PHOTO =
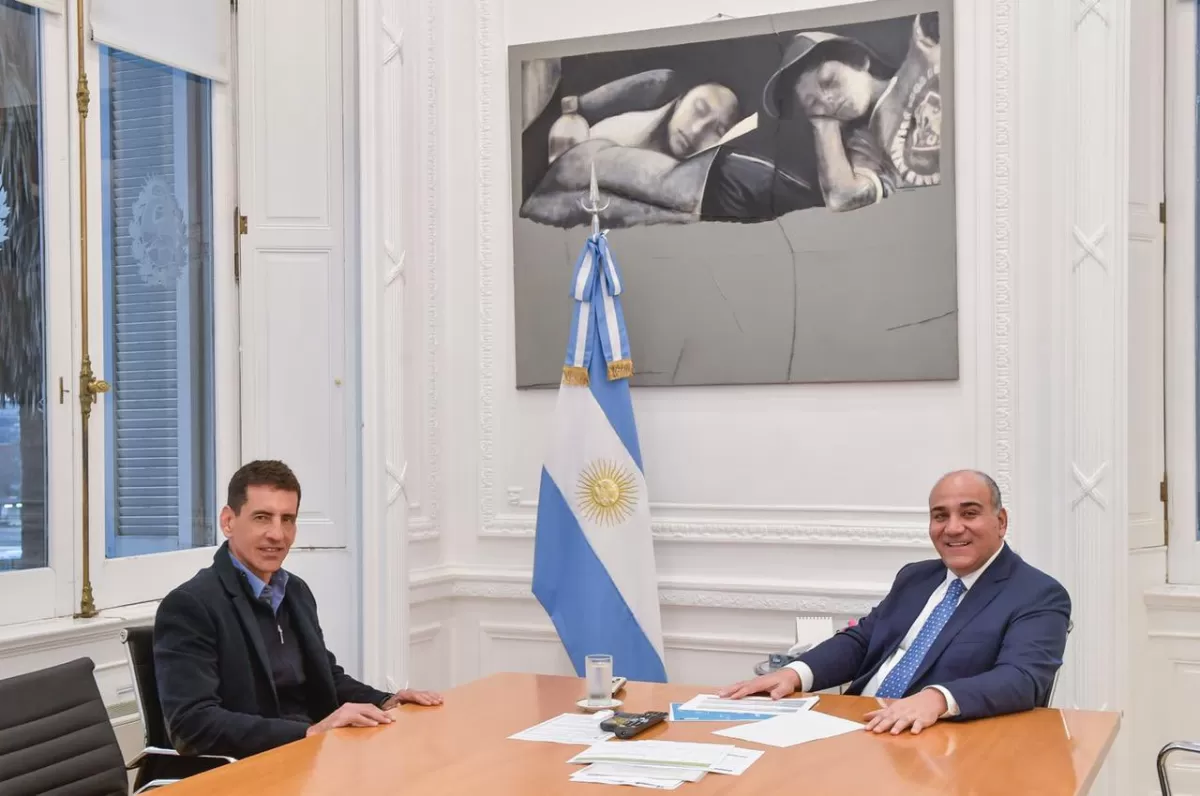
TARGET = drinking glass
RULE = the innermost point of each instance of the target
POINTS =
(599, 679)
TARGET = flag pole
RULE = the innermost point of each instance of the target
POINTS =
(593, 205)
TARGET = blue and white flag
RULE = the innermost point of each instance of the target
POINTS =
(593, 568)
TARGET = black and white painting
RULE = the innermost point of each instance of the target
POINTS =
(778, 192)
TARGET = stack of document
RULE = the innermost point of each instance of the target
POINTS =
(660, 765)
(574, 729)
(707, 707)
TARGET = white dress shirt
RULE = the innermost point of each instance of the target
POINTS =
(806, 674)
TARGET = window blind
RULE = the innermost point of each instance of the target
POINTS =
(145, 313)
(192, 35)
(54, 6)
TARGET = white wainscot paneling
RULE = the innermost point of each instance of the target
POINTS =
(700, 658)
(429, 649)
(715, 629)
(1169, 684)
(507, 647)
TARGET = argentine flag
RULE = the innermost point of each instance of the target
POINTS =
(593, 567)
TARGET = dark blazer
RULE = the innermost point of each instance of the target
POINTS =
(997, 654)
(214, 678)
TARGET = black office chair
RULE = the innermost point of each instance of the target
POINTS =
(1054, 682)
(56, 737)
(158, 763)
(1174, 746)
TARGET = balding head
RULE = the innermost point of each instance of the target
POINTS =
(967, 521)
(997, 502)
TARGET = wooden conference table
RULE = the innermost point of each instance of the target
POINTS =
(462, 748)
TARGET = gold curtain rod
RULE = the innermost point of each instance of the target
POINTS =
(89, 385)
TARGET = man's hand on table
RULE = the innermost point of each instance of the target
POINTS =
(915, 713)
(777, 684)
(351, 714)
(406, 696)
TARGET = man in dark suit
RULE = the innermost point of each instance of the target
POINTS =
(239, 655)
(976, 633)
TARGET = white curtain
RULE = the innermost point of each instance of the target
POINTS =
(55, 6)
(192, 35)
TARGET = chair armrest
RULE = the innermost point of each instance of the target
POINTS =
(161, 752)
(1164, 753)
(154, 784)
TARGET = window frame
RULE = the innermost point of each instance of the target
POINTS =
(54, 591)
(46, 592)
(147, 577)
(1183, 546)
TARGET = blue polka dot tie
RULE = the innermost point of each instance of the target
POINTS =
(896, 683)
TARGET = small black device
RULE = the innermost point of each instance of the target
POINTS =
(627, 725)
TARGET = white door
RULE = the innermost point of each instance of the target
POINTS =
(1147, 455)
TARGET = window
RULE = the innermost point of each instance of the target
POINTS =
(158, 296)
(158, 161)
(23, 350)
(37, 564)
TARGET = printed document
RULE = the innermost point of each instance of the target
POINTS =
(674, 754)
(746, 709)
(791, 729)
(577, 729)
(737, 761)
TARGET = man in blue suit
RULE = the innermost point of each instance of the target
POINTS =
(977, 633)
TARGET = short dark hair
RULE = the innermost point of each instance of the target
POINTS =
(261, 472)
(993, 489)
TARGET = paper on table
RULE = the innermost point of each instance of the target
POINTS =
(646, 782)
(576, 729)
(791, 729)
(677, 713)
(750, 707)
(676, 754)
(736, 762)
(635, 771)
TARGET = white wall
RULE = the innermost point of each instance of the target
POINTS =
(767, 501)
(771, 501)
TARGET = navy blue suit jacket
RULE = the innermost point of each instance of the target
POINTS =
(998, 653)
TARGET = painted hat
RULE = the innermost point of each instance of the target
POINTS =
(804, 47)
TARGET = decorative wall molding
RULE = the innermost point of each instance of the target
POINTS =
(427, 514)
(423, 533)
(728, 532)
(836, 598)
(424, 634)
(488, 30)
(1168, 597)
(1095, 262)
(1002, 331)
(692, 642)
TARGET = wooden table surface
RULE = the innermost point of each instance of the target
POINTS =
(462, 748)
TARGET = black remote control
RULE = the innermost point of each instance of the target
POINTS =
(627, 725)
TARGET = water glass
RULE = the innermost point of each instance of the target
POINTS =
(599, 679)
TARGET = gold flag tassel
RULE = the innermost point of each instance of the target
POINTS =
(620, 369)
(574, 376)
